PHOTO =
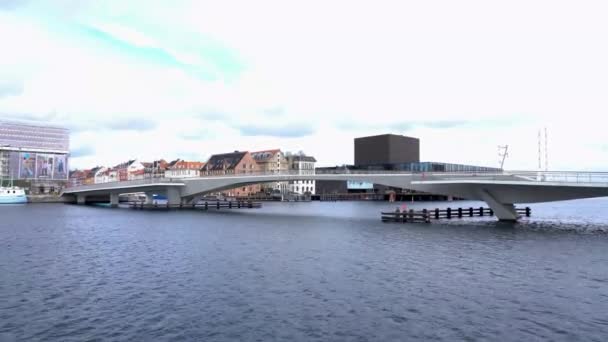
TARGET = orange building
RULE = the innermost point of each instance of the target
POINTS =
(234, 163)
(183, 169)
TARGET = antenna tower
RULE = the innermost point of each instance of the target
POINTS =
(540, 167)
(503, 153)
(546, 151)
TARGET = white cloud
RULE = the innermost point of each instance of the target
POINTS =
(377, 65)
(127, 35)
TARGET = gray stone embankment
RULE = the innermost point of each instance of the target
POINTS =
(49, 199)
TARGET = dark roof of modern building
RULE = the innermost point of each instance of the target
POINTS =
(263, 156)
(124, 165)
(304, 158)
(387, 135)
(224, 161)
(95, 169)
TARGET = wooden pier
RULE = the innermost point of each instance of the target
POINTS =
(406, 216)
(362, 196)
(426, 215)
(217, 205)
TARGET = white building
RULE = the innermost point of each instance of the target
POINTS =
(112, 175)
(272, 161)
(303, 165)
(183, 169)
(101, 175)
(135, 170)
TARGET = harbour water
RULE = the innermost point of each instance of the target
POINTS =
(315, 271)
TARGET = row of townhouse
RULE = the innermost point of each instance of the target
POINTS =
(183, 169)
(267, 161)
(237, 162)
(130, 170)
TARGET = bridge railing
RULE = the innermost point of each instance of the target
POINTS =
(346, 172)
(143, 181)
(542, 176)
(150, 180)
(578, 177)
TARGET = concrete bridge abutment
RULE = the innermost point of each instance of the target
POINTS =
(114, 199)
(174, 196)
(149, 198)
(503, 211)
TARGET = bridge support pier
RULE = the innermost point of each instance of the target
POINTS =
(114, 200)
(503, 211)
(149, 198)
(81, 199)
(190, 200)
(174, 196)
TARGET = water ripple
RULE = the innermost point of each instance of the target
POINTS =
(298, 271)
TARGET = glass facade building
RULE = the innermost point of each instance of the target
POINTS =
(431, 167)
(33, 152)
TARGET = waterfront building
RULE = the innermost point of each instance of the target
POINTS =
(96, 175)
(237, 162)
(183, 169)
(77, 177)
(388, 152)
(155, 169)
(272, 161)
(34, 155)
(386, 149)
(303, 165)
(89, 177)
(102, 175)
(130, 170)
(112, 175)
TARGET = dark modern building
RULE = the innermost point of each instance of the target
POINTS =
(386, 149)
(388, 152)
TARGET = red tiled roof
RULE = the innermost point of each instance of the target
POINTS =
(183, 164)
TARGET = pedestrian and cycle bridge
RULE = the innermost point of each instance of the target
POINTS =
(499, 190)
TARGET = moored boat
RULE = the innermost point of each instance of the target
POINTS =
(12, 195)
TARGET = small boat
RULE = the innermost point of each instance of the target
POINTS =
(11, 194)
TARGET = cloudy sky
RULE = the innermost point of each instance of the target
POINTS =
(149, 79)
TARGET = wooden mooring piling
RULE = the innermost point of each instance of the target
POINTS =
(217, 205)
(426, 215)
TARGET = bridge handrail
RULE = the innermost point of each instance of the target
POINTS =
(143, 181)
(546, 176)
(563, 176)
